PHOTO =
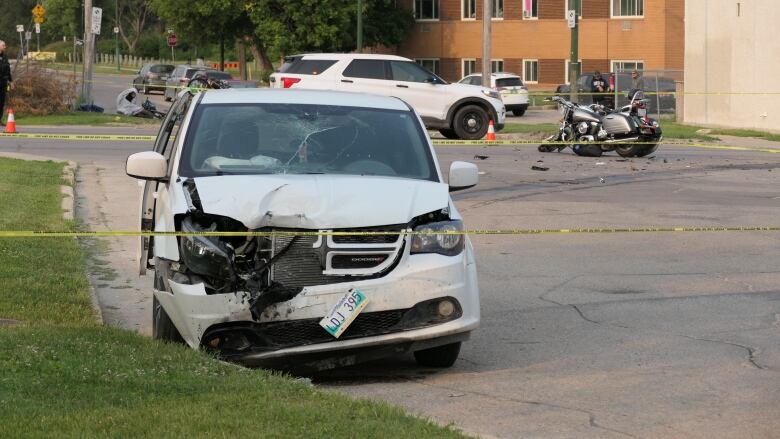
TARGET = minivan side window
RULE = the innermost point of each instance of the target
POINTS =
(366, 68)
(409, 71)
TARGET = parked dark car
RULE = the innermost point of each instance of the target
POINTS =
(182, 74)
(622, 81)
(152, 77)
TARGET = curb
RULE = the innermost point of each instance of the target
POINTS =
(69, 213)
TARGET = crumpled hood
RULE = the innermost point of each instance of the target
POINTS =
(319, 201)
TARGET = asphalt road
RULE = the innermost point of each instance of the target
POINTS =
(583, 335)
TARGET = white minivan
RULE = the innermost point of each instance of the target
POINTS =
(299, 226)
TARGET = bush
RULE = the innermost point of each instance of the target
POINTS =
(38, 93)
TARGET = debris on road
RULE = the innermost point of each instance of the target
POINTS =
(539, 168)
(481, 157)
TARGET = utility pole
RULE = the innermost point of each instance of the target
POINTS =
(574, 64)
(360, 26)
(487, 22)
(116, 34)
(89, 44)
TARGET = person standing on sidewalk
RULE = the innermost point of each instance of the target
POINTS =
(6, 82)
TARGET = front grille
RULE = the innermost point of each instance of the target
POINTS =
(309, 331)
(369, 239)
(357, 261)
(302, 264)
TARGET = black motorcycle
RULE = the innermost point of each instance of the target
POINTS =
(593, 130)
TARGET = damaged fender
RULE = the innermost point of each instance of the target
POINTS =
(192, 311)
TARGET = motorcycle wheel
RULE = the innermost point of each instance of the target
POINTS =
(647, 150)
(628, 150)
(198, 83)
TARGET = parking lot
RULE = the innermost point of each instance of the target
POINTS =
(582, 335)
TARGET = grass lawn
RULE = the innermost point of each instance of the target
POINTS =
(64, 375)
(748, 133)
(529, 128)
(82, 118)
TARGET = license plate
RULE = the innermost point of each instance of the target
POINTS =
(163, 78)
(642, 112)
(513, 91)
(344, 312)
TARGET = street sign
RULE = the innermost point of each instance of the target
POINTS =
(37, 28)
(172, 40)
(20, 28)
(38, 13)
(571, 18)
(97, 16)
(28, 35)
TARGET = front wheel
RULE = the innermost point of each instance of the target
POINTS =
(519, 113)
(471, 122)
(440, 356)
(447, 133)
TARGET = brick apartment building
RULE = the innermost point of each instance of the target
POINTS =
(531, 37)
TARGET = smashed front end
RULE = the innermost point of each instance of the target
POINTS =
(256, 299)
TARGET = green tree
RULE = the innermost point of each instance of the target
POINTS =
(291, 26)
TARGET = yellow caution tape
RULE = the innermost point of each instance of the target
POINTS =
(89, 137)
(82, 234)
(436, 142)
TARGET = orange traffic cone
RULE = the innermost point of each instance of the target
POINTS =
(10, 124)
(491, 134)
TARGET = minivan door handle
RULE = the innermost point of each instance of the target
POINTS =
(402, 86)
(347, 80)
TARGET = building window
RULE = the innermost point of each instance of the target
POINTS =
(426, 9)
(567, 64)
(498, 9)
(628, 8)
(570, 6)
(430, 64)
(468, 9)
(469, 66)
(530, 9)
(531, 71)
(627, 66)
(497, 65)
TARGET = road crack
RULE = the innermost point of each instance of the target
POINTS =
(752, 352)
(592, 421)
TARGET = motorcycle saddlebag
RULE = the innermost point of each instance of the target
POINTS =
(617, 123)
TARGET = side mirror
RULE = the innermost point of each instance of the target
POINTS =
(147, 165)
(430, 80)
(463, 175)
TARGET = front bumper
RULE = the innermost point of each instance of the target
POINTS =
(416, 278)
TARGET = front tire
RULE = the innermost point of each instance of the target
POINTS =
(471, 122)
(518, 113)
(440, 356)
(448, 133)
(162, 326)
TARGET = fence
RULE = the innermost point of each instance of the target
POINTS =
(127, 61)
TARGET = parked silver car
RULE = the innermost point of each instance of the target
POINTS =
(152, 77)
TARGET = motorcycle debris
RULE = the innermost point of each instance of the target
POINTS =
(539, 168)
(481, 157)
(665, 161)
(600, 163)
(621, 160)
(601, 180)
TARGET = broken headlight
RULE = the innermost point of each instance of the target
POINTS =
(448, 243)
(204, 255)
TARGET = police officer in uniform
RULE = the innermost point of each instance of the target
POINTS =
(6, 81)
